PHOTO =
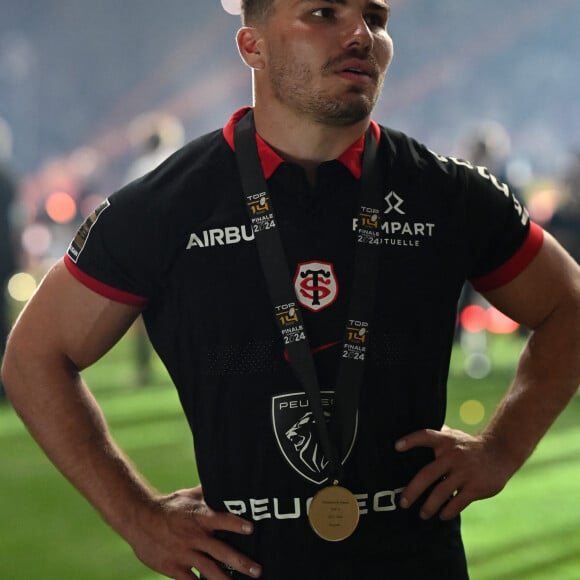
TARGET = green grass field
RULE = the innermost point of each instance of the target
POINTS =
(531, 531)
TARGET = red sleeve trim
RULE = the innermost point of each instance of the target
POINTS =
(103, 289)
(515, 265)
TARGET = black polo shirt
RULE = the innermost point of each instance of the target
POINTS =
(178, 242)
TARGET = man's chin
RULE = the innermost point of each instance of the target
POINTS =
(347, 114)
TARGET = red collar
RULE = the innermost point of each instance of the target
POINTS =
(351, 158)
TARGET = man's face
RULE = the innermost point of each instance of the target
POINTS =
(327, 59)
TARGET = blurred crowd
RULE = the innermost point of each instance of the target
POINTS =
(39, 214)
(552, 200)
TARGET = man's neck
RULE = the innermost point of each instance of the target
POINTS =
(304, 142)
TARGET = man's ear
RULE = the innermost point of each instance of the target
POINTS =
(250, 47)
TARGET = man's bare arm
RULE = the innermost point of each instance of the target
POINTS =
(545, 298)
(63, 329)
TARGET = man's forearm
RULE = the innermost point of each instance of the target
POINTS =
(67, 423)
(171, 533)
(547, 376)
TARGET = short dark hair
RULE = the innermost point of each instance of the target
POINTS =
(254, 11)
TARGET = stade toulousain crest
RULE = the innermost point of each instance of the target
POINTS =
(315, 285)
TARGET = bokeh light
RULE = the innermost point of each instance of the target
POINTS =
(473, 318)
(61, 207)
(499, 323)
(472, 412)
(21, 287)
(36, 239)
(232, 6)
(88, 204)
(477, 365)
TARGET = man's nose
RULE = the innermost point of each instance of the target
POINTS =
(357, 33)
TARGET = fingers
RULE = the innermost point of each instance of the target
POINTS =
(210, 569)
(210, 521)
(213, 521)
(223, 553)
(445, 499)
(425, 479)
(443, 475)
(206, 553)
(234, 560)
(205, 566)
(456, 505)
(423, 438)
(179, 533)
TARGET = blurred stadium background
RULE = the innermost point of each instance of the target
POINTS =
(93, 93)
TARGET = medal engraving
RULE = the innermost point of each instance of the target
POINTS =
(334, 513)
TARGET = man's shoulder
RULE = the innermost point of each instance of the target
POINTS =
(407, 153)
(204, 160)
(205, 151)
(405, 148)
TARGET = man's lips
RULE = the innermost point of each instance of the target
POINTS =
(357, 70)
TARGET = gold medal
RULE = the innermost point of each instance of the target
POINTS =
(334, 513)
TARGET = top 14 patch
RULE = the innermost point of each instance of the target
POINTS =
(78, 243)
(316, 285)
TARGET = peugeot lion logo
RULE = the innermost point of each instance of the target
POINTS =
(303, 438)
(295, 430)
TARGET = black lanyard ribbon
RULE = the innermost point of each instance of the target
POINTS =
(337, 436)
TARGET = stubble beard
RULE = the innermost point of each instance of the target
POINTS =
(292, 85)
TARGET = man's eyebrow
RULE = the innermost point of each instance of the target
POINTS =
(325, 1)
(378, 6)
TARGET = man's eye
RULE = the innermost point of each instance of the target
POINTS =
(323, 13)
(375, 21)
